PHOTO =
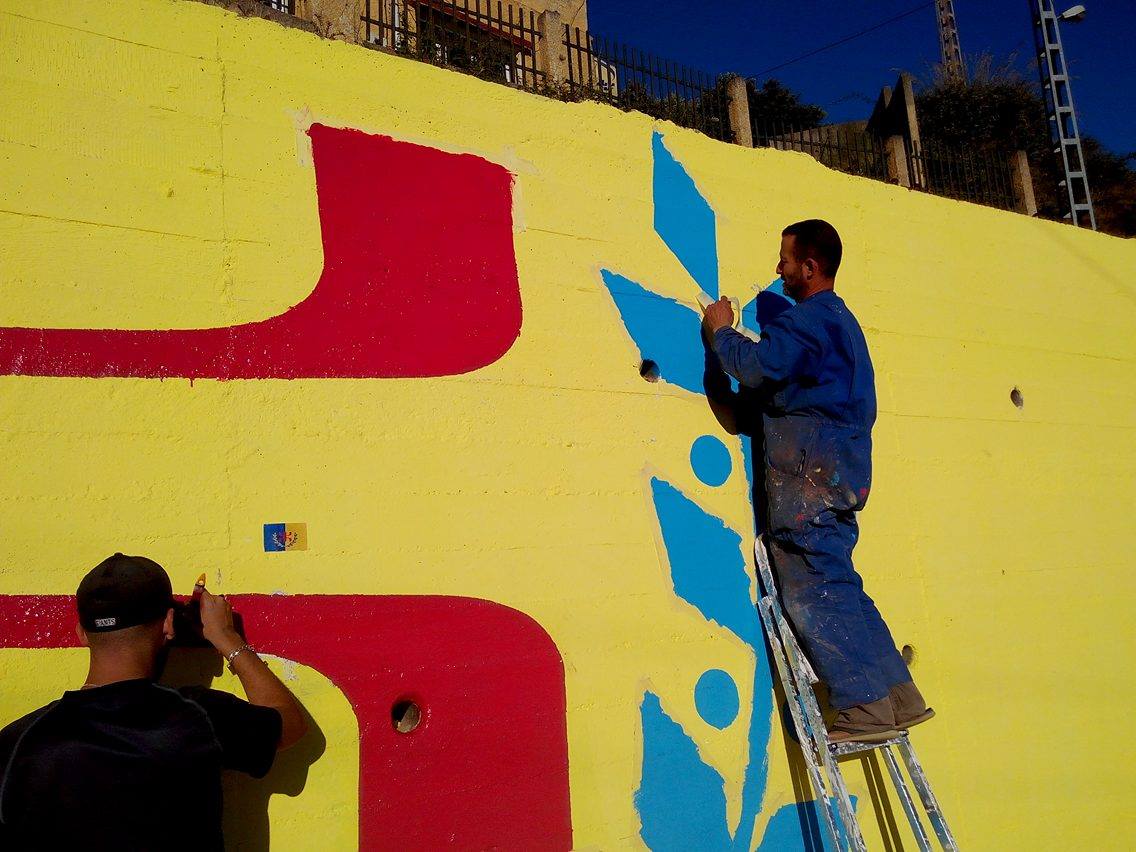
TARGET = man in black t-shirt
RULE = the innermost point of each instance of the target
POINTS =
(123, 763)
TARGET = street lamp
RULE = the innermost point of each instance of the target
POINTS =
(1059, 106)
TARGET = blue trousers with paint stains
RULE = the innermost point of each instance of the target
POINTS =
(839, 626)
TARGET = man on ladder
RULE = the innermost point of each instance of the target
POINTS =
(811, 378)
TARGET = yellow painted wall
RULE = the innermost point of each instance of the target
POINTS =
(154, 174)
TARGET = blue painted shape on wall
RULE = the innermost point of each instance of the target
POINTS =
(716, 698)
(766, 306)
(684, 816)
(664, 330)
(707, 567)
(683, 219)
(681, 800)
(710, 460)
(795, 826)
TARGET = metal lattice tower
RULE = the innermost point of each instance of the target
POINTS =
(1059, 108)
(949, 39)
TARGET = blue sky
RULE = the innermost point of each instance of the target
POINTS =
(750, 36)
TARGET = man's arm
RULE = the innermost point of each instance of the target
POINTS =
(261, 686)
(723, 400)
(785, 350)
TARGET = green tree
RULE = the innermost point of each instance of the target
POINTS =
(998, 111)
(775, 104)
(1112, 181)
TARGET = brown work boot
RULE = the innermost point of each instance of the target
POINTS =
(864, 723)
(908, 705)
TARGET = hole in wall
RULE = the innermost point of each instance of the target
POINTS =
(649, 370)
(405, 716)
(908, 654)
(1016, 398)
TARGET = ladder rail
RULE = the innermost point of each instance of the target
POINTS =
(828, 809)
(930, 803)
(797, 677)
(905, 799)
(818, 733)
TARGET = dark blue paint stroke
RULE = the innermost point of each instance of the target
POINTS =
(681, 800)
(664, 330)
(683, 219)
(707, 567)
(766, 306)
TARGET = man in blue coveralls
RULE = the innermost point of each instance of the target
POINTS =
(810, 380)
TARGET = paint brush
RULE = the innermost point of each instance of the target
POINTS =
(198, 588)
(705, 300)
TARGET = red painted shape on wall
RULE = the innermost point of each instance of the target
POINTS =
(488, 765)
(419, 279)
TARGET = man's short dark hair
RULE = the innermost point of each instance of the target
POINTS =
(817, 239)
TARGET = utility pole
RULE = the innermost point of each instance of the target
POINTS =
(1059, 108)
(949, 39)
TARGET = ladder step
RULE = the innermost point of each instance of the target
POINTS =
(842, 749)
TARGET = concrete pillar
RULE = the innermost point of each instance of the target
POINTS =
(739, 111)
(338, 19)
(551, 54)
(905, 89)
(898, 169)
(1024, 199)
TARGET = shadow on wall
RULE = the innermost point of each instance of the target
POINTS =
(246, 823)
(385, 649)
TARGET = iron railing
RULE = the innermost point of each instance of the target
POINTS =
(493, 41)
(500, 41)
(287, 6)
(847, 148)
(982, 177)
(599, 69)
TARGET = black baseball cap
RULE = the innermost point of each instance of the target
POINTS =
(123, 591)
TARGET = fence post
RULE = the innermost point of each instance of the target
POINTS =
(739, 111)
(551, 55)
(897, 166)
(1024, 200)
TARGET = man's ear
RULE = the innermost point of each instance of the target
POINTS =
(82, 634)
(168, 624)
(810, 266)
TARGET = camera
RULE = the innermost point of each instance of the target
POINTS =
(187, 625)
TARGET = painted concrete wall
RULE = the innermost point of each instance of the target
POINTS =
(251, 278)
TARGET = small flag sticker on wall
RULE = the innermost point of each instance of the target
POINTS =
(285, 537)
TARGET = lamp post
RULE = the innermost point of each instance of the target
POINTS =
(1059, 107)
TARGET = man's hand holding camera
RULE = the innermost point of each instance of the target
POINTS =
(217, 625)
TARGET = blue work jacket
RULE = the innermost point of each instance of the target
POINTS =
(817, 399)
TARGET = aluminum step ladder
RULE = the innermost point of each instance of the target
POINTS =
(797, 678)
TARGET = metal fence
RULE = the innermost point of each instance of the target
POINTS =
(600, 69)
(493, 41)
(501, 41)
(288, 6)
(846, 148)
(983, 177)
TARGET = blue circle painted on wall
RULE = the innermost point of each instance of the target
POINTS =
(710, 460)
(716, 698)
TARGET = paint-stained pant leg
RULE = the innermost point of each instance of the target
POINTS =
(843, 634)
